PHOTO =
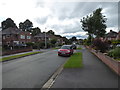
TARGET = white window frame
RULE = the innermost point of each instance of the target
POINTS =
(22, 36)
(28, 37)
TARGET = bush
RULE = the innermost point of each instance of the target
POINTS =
(115, 53)
(100, 45)
(115, 42)
(87, 42)
(29, 44)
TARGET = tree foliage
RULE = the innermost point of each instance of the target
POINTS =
(26, 25)
(8, 23)
(94, 24)
(73, 39)
(36, 31)
(53, 41)
(51, 32)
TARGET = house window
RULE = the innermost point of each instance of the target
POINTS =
(49, 38)
(3, 37)
(28, 37)
(22, 36)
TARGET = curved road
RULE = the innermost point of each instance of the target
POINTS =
(31, 71)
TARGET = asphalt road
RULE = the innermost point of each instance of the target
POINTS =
(31, 71)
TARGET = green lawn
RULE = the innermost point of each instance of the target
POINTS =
(75, 61)
(17, 56)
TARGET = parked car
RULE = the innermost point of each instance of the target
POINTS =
(74, 46)
(65, 50)
(118, 45)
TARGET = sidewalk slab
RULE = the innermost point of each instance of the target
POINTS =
(94, 74)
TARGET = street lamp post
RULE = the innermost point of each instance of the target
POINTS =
(45, 39)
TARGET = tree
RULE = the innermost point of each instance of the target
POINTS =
(8, 23)
(73, 39)
(26, 25)
(53, 41)
(51, 32)
(36, 31)
(21, 26)
(94, 24)
(99, 23)
(66, 40)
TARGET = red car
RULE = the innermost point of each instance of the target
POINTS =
(65, 50)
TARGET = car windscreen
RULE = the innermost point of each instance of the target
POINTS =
(65, 47)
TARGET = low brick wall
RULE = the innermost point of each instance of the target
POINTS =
(110, 62)
(17, 51)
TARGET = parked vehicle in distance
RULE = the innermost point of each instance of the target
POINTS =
(65, 50)
(118, 45)
(74, 46)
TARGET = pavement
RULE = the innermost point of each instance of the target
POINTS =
(93, 74)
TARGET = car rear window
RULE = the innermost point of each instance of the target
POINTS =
(65, 47)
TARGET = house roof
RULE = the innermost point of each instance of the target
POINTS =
(41, 35)
(112, 34)
(11, 31)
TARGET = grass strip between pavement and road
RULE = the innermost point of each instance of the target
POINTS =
(118, 59)
(56, 48)
(79, 48)
(75, 61)
(18, 56)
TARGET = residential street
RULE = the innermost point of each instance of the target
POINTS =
(31, 71)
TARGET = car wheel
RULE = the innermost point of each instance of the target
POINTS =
(58, 54)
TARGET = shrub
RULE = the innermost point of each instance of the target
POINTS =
(87, 42)
(53, 41)
(29, 44)
(115, 53)
(100, 45)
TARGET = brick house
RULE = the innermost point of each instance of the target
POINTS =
(15, 37)
(57, 37)
(118, 36)
(112, 35)
(0, 37)
(40, 37)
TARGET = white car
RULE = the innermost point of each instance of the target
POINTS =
(118, 45)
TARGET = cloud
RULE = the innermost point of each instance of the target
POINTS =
(41, 20)
(62, 17)
(78, 34)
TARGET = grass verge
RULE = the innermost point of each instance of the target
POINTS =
(17, 56)
(118, 59)
(75, 61)
(56, 48)
(79, 48)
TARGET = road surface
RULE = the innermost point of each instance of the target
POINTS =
(31, 71)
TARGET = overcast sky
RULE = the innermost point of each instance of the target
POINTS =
(62, 17)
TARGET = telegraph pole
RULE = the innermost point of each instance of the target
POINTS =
(45, 38)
